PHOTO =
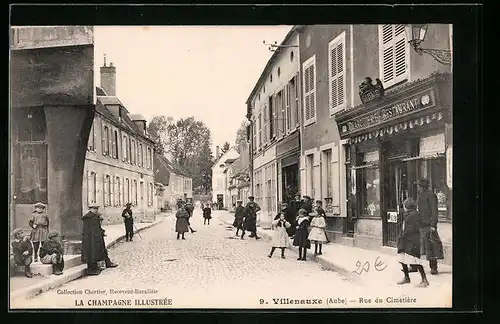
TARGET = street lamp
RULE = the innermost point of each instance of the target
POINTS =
(416, 35)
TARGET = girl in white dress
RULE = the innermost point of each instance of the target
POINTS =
(317, 234)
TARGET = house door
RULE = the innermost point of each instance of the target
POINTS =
(396, 191)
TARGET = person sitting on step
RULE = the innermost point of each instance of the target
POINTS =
(22, 250)
(52, 252)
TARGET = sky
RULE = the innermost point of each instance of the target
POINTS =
(203, 71)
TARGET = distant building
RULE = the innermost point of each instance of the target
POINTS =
(238, 182)
(176, 183)
(119, 160)
(219, 183)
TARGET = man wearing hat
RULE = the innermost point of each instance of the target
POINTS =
(93, 245)
(39, 222)
(190, 209)
(428, 208)
(52, 252)
(307, 205)
(291, 214)
(129, 222)
(22, 250)
(250, 222)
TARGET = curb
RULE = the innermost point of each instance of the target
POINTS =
(327, 264)
(69, 275)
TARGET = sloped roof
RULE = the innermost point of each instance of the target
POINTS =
(169, 166)
(125, 122)
(100, 91)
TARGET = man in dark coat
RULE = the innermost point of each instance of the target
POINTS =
(129, 222)
(239, 215)
(291, 214)
(189, 208)
(307, 205)
(93, 245)
(428, 208)
(250, 221)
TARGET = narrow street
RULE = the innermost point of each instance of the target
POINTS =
(212, 268)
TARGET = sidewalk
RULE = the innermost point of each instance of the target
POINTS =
(367, 267)
(23, 287)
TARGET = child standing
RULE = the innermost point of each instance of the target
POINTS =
(207, 214)
(22, 250)
(280, 235)
(39, 222)
(301, 236)
(239, 215)
(317, 234)
(52, 252)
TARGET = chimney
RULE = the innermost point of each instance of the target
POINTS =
(217, 152)
(108, 78)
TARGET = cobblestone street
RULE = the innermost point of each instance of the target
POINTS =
(211, 268)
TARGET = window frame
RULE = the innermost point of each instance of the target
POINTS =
(307, 64)
(339, 40)
(392, 43)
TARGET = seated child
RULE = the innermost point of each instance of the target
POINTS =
(23, 251)
(52, 252)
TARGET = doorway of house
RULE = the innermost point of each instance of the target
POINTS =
(290, 182)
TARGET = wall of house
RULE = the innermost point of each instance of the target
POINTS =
(104, 164)
(60, 79)
(366, 55)
(218, 176)
(321, 135)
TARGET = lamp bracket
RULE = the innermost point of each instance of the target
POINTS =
(440, 55)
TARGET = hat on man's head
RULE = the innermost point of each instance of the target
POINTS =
(239, 201)
(128, 204)
(410, 204)
(39, 204)
(17, 232)
(53, 234)
(319, 202)
(302, 212)
(284, 206)
(93, 206)
(251, 197)
(423, 182)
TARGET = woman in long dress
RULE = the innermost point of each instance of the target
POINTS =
(408, 243)
(182, 222)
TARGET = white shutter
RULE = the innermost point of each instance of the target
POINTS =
(393, 54)
(110, 142)
(89, 188)
(307, 108)
(103, 136)
(337, 72)
(104, 191)
(312, 87)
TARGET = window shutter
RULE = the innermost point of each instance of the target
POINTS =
(337, 75)
(387, 53)
(104, 191)
(399, 50)
(110, 142)
(103, 136)
(312, 86)
(333, 77)
(307, 107)
(89, 188)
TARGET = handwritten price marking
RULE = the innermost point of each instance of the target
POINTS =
(378, 265)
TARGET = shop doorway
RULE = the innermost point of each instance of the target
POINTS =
(395, 192)
(290, 182)
(220, 201)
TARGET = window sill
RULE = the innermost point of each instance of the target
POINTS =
(370, 217)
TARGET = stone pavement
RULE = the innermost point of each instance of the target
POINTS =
(368, 267)
(22, 287)
(213, 268)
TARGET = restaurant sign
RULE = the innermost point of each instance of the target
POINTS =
(401, 108)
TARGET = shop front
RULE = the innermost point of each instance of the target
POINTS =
(394, 140)
(288, 157)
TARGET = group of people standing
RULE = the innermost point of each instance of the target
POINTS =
(245, 218)
(27, 247)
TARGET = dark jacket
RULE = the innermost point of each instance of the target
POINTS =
(207, 212)
(93, 245)
(18, 249)
(51, 246)
(239, 215)
(126, 212)
(409, 240)
(428, 208)
(293, 208)
(307, 205)
(189, 208)
(182, 222)
(250, 221)
(301, 236)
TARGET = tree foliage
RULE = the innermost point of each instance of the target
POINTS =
(225, 147)
(188, 143)
(241, 143)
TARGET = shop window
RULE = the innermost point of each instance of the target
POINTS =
(369, 181)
